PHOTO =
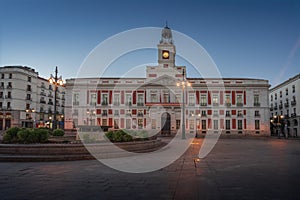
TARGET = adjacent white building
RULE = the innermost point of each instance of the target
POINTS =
(26, 99)
(236, 106)
(283, 104)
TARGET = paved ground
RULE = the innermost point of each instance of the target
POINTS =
(235, 169)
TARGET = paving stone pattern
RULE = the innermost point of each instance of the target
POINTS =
(239, 169)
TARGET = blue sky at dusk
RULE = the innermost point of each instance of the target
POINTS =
(255, 39)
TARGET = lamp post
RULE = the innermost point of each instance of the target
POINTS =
(278, 123)
(183, 84)
(56, 81)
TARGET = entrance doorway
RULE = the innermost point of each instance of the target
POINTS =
(165, 123)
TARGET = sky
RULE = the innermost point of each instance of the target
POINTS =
(245, 38)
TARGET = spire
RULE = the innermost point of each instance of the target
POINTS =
(166, 35)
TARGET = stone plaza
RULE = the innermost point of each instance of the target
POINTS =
(260, 168)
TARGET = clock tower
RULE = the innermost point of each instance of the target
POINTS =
(166, 49)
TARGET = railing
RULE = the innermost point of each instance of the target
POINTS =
(104, 114)
(50, 95)
(140, 115)
(43, 93)
(104, 103)
(28, 99)
(116, 103)
(215, 104)
(227, 104)
(256, 104)
(128, 103)
(275, 107)
(293, 103)
(257, 115)
(140, 104)
(50, 103)
(239, 104)
(240, 115)
(42, 101)
(203, 104)
(286, 105)
(228, 115)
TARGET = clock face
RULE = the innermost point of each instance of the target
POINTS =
(165, 54)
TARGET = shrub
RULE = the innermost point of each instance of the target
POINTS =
(119, 136)
(26, 135)
(11, 135)
(58, 132)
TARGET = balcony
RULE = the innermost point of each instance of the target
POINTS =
(271, 108)
(239, 115)
(257, 115)
(275, 107)
(28, 99)
(50, 103)
(257, 104)
(42, 101)
(239, 104)
(140, 104)
(8, 96)
(280, 106)
(215, 104)
(191, 104)
(228, 115)
(286, 105)
(50, 95)
(227, 104)
(128, 103)
(28, 90)
(203, 114)
(104, 103)
(140, 114)
(104, 114)
(116, 115)
(92, 103)
(8, 87)
(43, 94)
(293, 103)
(116, 103)
(203, 104)
(293, 115)
(76, 103)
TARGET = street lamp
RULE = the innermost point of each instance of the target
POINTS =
(31, 117)
(56, 81)
(278, 123)
(183, 84)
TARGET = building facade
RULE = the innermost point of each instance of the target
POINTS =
(237, 106)
(26, 99)
(284, 108)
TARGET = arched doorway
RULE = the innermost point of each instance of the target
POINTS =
(165, 123)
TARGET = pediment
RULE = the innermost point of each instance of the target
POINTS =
(164, 80)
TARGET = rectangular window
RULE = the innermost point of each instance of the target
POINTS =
(240, 124)
(104, 99)
(216, 113)
(140, 123)
(256, 113)
(116, 113)
(256, 100)
(140, 113)
(104, 113)
(239, 100)
(29, 88)
(93, 99)
(153, 98)
(76, 99)
(203, 100)
(116, 99)
(203, 124)
(294, 88)
(227, 113)
(29, 79)
(166, 98)
(286, 91)
(128, 112)
(140, 100)
(104, 122)
(203, 113)
(116, 123)
(216, 124)
(2, 76)
(256, 124)
(191, 123)
(191, 99)
(227, 124)
(227, 100)
(240, 113)
(215, 99)
(10, 76)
